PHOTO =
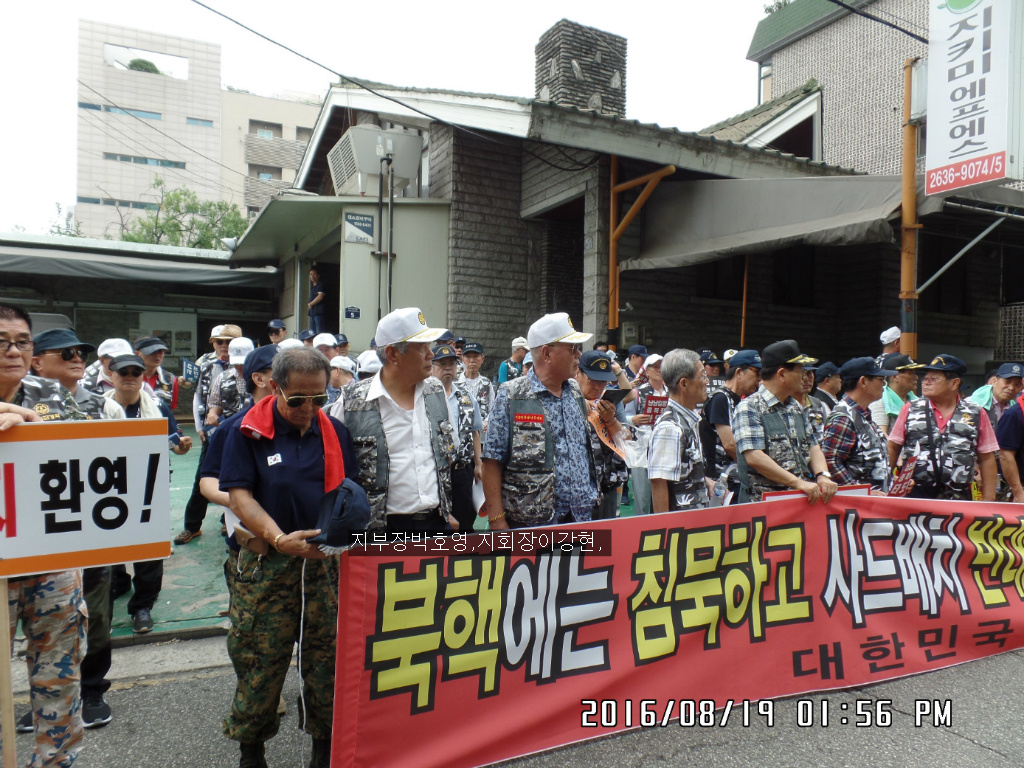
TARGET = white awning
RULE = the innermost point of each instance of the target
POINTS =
(694, 222)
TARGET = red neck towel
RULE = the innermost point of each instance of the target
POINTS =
(258, 424)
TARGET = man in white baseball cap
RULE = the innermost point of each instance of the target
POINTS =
(97, 373)
(513, 367)
(541, 414)
(402, 430)
(890, 339)
(327, 344)
(343, 370)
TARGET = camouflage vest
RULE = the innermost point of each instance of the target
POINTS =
(611, 469)
(945, 463)
(164, 387)
(232, 392)
(816, 414)
(691, 492)
(791, 456)
(210, 370)
(869, 461)
(716, 460)
(48, 399)
(528, 482)
(91, 379)
(465, 449)
(362, 417)
(513, 370)
(90, 403)
(483, 390)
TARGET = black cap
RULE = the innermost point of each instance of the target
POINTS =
(306, 334)
(597, 365)
(59, 338)
(127, 361)
(259, 359)
(948, 364)
(863, 366)
(784, 353)
(444, 352)
(150, 344)
(900, 362)
(277, 325)
(825, 370)
(473, 346)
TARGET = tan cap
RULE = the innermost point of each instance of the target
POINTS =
(226, 332)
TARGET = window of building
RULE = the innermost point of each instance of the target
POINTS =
(89, 200)
(764, 89)
(146, 114)
(264, 176)
(87, 105)
(265, 172)
(265, 130)
(304, 135)
(122, 203)
(199, 121)
(721, 279)
(144, 160)
(141, 60)
(253, 211)
(263, 133)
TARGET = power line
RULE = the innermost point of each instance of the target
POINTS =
(898, 28)
(393, 99)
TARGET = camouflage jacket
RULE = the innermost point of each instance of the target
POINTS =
(869, 460)
(483, 390)
(945, 462)
(227, 393)
(464, 453)
(91, 379)
(49, 399)
(611, 468)
(362, 417)
(815, 412)
(211, 368)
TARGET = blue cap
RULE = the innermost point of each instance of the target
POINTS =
(745, 357)
(863, 366)
(373, 343)
(637, 349)
(444, 352)
(59, 338)
(710, 358)
(306, 334)
(341, 338)
(277, 325)
(473, 346)
(459, 340)
(597, 366)
(1010, 371)
(528, 360)
(825, 370)
(259, 359)
(947, 364)
(446, 338)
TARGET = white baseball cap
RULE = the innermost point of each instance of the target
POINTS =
(115, 347)
(728, 354)
(406, 324)
(890, 335)
(325, 340)
(652, 360)
(238, 349)
(518, 341)
(345, 363)
(556, 327)
(289, 344)
(368, 361)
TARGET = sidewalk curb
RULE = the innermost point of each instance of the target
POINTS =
(148, 638)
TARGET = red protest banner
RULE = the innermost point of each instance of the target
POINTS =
(527, 651)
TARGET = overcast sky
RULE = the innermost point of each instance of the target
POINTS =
(686, 62)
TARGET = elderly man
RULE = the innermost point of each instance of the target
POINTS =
(636, 356)
(513, 367)
(478, 386)
(827, 385)
(343, 346)
(97, 374)
(327, 344)
(890, 339)
(465, 415)
(717, 439)
(307, 336)
(675, 461)
(60, 355)
(277, 331)
(343, 372)
(403, 432)
(538, 466)
(228, 395)
(50, 606)
(635, 406)
(776, 445)
(608, 427)
(152, 350)
(279, 461)
(949, 435)
(897, 392)
(853, 445)
(997, 397)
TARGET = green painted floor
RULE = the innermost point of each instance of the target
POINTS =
(194, 598)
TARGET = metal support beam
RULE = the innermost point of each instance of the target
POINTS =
(963, 250)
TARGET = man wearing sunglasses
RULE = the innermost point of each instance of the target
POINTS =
(152, 350)
(60, 355)
(538, 465)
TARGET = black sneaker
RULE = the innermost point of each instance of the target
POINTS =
(25, 724)
(142, 622)
(95, 712)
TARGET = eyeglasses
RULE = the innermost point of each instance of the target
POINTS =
(68, 353)
(133, 373)
(297, 401)
(221, 341)
(23, 345)
(575, 349)
(933, 378)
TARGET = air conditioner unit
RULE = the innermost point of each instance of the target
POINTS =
(355, 161)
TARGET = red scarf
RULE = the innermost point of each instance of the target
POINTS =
(258, 424)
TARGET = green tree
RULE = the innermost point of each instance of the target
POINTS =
(776, 5)
(65, 224)
(181, 218)
(144, 65)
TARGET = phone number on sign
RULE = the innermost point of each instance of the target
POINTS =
(982, 169)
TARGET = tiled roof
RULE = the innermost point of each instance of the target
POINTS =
(743, 125)
(787, 22)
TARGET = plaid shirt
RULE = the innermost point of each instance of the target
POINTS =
(669, 458)
(839, 442)
(746, 420)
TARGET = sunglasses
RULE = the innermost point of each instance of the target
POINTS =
(132, 373)
(297, 401)
(68, 353)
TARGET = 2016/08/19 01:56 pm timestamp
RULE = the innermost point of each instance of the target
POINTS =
(704, 713)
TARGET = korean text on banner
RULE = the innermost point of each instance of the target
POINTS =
(83, 494)
(560, 647)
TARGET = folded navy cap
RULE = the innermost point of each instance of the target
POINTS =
(745, 357)
(825, 370)
(259, 359)
(947, 364)
(59, 338)
(306, 334)
(1010, 371)
(863, 366)
(597, 365)
(277, 325)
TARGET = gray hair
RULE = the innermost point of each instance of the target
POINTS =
(298, 360)
(382, 352)
(680, 364)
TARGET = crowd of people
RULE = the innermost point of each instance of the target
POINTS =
(562, 435)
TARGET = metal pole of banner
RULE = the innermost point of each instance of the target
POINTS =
(908, 257)
(743, 316)
(10, 749)
(613, 250)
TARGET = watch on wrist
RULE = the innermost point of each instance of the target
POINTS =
(824, 473)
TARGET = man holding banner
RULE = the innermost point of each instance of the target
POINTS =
(50, 606)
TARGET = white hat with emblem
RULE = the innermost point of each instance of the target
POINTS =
(552, 329)
(406, 324)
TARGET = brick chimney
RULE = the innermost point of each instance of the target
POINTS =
(582, 67)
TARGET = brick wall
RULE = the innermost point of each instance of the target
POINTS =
(582, 67)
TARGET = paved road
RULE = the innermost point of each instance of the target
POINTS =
(169, 699)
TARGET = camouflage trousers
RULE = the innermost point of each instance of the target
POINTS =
(267, 619)
(53, 616)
